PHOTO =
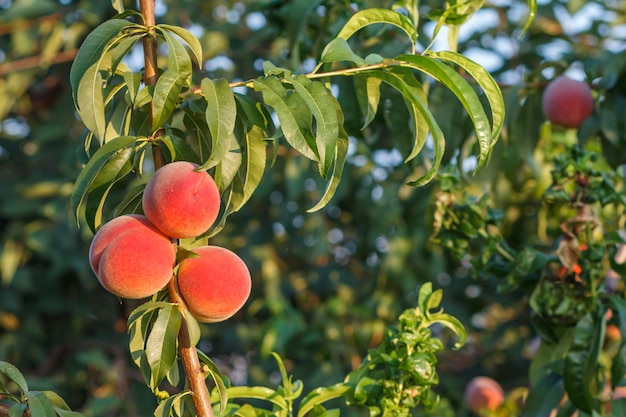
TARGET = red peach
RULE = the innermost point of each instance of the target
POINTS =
(214, 285)
(567, 102)
(180, 201)
(483, 393)
(112, 229)
(137, 264)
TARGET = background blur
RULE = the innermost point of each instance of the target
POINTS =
(325, 285)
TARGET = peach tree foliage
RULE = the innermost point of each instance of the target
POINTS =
(566, 283)
(228, 133)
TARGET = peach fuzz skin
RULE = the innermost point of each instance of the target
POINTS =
(181, 202)
(131, 258)
(567, 102)
(214, 285)
(112, 230)
(483, 393)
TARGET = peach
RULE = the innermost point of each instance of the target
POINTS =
(483, 393)
(567, 102)
(137, 263)
(126, 244)
(111, 230)
(215, 284)
(180, 201)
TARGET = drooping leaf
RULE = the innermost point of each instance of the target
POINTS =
(178, 60)
(341, 154)
(192, 42)
(14, 374)
(293, 113)
(254, 156)
(397, 82)
(217, 377)
(97, 162)
(372, 16)
(116, 168)
(90, 101)
(221, 114)
(161, 346)
(323, 108)
(464, 92)
(92, 49)
(118, 5)
(368, 97)
(486, 82)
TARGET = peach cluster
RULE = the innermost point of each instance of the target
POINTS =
(134, 256)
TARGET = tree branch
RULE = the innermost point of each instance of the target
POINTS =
(187, 352)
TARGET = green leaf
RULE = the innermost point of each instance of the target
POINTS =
(192, 42)
(14, 374)
(581, 362)
(227, 169)
(419, 123)
(371, 16)
(90, 101)
(178, 60)
(414, 97)
(368, 97)
(464, 92)
(323, 107)
(118, 5)
(339, 50)
(116, 168)
(254, 156)
(39, 405)
(259, 393)
(96, 164)
(221, 114)
(92, 49)
(486, 82)
(217, 377)
(162, 343)
(321, 395)
(293, 113)
(165, 96)
(544, 396)
(17, 410)
(341, 154)
(193, 328)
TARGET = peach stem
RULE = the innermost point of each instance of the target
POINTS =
(187, 352)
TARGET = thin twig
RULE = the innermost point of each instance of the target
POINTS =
(37, 61)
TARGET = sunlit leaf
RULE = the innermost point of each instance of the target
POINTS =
(254, 156)
(372, 16)
(323, 108)
(293, 113)
(221, 113)
(259, 393)
(192, 42)
(97, 162)
(216, 375)
(368, 97)
(92, 49)
(464, 92)
(39, 405)
(321, 395)
(339, 50)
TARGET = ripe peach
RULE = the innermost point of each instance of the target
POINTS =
(214, 285)
(137, 263)
(567, 102)
(483, 393)
(181, 202)
(137, 238)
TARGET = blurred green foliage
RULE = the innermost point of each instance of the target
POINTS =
(325, 285)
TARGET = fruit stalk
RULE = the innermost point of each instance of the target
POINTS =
(187, 352)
